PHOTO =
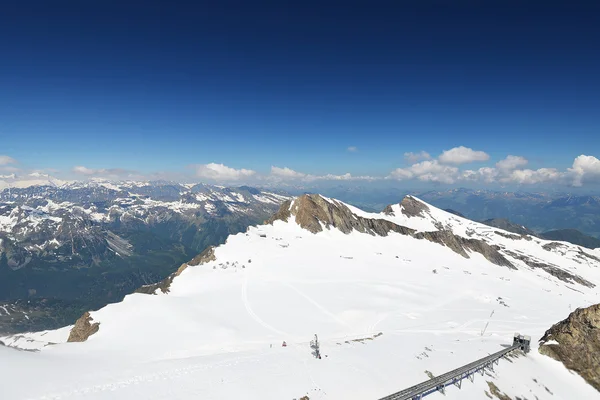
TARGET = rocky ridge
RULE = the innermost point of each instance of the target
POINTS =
(164, 285)
(315, 213)
(575, 342)
(83, 329)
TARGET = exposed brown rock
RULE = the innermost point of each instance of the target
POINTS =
(282, 214)
(460, 245)
(206, 256)
(578, 347)
(83, 328)
(313, 212)
(388, 210)
(412, 207)
(496, 392)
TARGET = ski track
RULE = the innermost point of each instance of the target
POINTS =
(256, 318)
(317, 305)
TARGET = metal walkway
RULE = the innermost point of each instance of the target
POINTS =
(455, 377)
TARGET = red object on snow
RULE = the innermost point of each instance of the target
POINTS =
(284, 344)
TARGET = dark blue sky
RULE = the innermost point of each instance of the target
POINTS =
(157, 86)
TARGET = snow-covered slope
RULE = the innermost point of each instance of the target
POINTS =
(393, 296)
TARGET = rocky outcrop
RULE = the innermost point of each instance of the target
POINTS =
(410, 207)
(461, 245)
(206, 256)
(553, 270)
(552, 246)
(83, 329)
(506, 225)
(575, 342)
(164, 286)
(282, 214)
(314, 213)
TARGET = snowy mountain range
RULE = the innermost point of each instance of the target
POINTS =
(540, 212)
(394, 297)
(95, 242)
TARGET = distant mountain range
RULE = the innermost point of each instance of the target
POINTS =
(411, 283)
(539, 212)
(69, 246)
(565, 235)
(92, 243)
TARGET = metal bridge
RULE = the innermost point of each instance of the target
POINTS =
(455, 377)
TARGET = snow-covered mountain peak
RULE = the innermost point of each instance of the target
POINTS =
(422, 221)
(393, 296)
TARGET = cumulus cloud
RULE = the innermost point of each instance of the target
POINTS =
(352, 149)
(5, 160)
(529, 176)
(483, 174)
(462, 155)
(286, 173)
(585, 169)
(502, 172)
(427, 171)
(511, 162)
(221, 172)
(80, 169)
(416, 157)
(114, 173)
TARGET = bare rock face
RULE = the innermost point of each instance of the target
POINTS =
(578, 347)
(314, 213)
(460, 245)
(553, 270)
(282, 214)
(206, 256)
(412, 207)
(83, 329)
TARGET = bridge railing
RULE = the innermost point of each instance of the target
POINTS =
(455, 377)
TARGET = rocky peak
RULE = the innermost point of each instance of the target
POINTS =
(83, 329)
(313, 213)
(165, 285)
(575, 342)
(409, 206)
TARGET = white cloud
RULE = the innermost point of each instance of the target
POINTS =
(585, 169)
(4, 160)
(286, 173)
(221, 172)
(416, 157)
(80, 169)
(9, 169)
(111, 173)
(352, 149)
(530, 177)
(427, 171)
(462, 155)
(511, 162)
(485, 174)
